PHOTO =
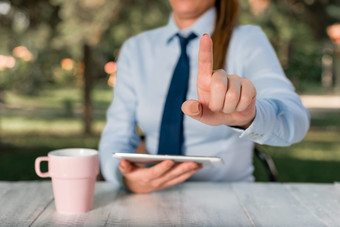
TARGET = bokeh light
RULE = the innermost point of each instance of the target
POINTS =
(67, 64)
(6, 62)
(258, 6)
(112, 80)
(110, 67)
(333, 32)
(23, 53)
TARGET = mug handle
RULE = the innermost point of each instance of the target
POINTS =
(37, 166)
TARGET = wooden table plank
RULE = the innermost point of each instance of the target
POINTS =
(323, 201)
(273, 205)
(24, 202)
(212, 204)
(337, 186)
(190, 204)
(4, 187)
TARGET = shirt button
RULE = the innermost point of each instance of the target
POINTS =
(252, 135)
(255, 135)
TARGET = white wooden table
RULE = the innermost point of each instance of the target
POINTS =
(187, 204)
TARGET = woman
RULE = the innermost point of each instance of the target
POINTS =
(237, 95)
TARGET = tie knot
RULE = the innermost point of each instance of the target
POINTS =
(185, 40)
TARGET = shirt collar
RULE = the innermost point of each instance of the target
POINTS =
(205, 24)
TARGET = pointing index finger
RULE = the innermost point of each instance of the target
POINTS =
(205, 57)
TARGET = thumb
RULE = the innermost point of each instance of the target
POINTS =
(192, 108)
(199, 112)
(125, 167)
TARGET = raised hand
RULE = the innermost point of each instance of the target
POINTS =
(222, 99)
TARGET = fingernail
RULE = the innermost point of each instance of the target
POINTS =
(195, 108)
(205, 34)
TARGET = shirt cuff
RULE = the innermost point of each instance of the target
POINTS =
(261, 128)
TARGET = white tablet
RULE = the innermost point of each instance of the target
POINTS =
(155, 158)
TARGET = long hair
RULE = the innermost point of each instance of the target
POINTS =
(226, 19)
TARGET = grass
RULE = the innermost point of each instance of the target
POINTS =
(32, 126)
(315, 159)
(20, 150)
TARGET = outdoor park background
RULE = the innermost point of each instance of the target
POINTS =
(57, 71)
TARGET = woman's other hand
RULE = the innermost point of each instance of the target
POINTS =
(160, 176)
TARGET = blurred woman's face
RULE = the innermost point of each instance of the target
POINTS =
(190, 9)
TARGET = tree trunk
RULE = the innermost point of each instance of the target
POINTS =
(336, 64)
(88, 81)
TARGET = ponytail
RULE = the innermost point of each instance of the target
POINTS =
(226, 19)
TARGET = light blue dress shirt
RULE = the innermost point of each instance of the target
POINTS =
(145, 68)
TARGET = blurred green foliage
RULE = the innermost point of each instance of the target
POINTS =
(56, 29)
(298, 44)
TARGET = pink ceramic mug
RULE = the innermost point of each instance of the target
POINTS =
(73, 172)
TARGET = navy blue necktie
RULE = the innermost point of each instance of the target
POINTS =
(171, 132)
